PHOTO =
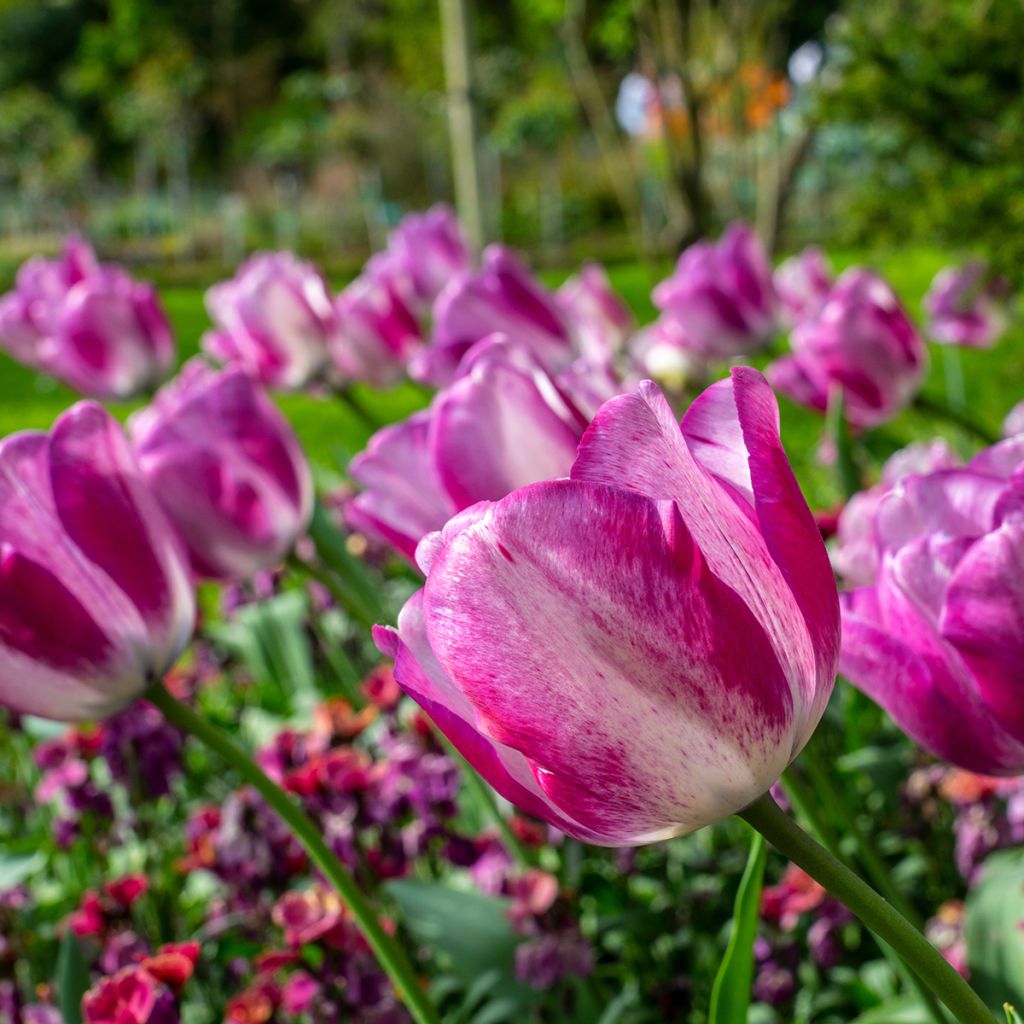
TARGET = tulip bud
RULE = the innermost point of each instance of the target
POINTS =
(965, 306)
(721, 295)
(95, 597)
(275, 319)
(601, 319)
(227, 468)
(430, 250)
(671, 602)
(502, 423)
(938, 639)
(862, 342)
(802, 284)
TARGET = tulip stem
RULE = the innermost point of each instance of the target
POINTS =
(887, 923)
(387, 951)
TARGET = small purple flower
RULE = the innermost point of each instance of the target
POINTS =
(143, 751)
(966, 306)
(544, 961)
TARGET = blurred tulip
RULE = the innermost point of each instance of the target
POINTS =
(672, 603)
(938, 640)
(602, 319)
(95, 596)
(227, 468)
(501, 424)
(275, 319)
(502, 297)
(965, 306)
(377, 331)
(802, 285)
(663, 352)
(855, 554)
(861, 342)
(430, 250)
(91, 325)
(721, 295)
(1014, 422)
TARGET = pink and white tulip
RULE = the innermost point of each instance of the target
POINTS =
(938, 639)
(429, 250)
(275, 319)
(601, 319)
(863, 343)
(89, 324)
(721, 295)
(802, 284)
(95, 597)
(965, 306)
(227, 468)
(502, 423)
(671, 602)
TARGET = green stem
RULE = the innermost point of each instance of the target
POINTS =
(915, 950)
(955, 416)
(389, 954)
(348, 398)
(954, 374)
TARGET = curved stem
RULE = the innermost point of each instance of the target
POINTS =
(957, 417)
(915, 950)
(389, 954)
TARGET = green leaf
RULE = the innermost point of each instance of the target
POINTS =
(730, 996)
(72, 979)
(16, 867)
(851, 479)
(905, 1010)
(1012, 1016)
(995, 941)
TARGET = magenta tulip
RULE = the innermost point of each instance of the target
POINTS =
(377, 330)
(721, 295)
(602, 320)
(664, 352)
(430, 251)
(802, 284)
(91, 325)
(95, 597)
(501, 424)
(861, 343)
(641, 649)
(966, 306)
(275, 319)
(938, 640)
(227, 468)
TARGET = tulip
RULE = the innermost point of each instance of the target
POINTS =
(802, 285)
(938, 640)
(275, 319)
(664, 352)
(603, 321)
(227, 468)
(964, 306)
(95, 597)
(1014, 422)
(855, 553)
(430, 250)
(721, 295)
(377, 331)
(503, 297)
(861, 342)
(91, 325)
(501, 424)
(671, 602)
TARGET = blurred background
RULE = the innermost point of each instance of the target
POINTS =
(185, 135)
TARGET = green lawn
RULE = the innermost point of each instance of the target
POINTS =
(332, 433)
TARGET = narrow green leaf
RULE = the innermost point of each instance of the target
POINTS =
(850, 477)
(730, 996)
(72, 979)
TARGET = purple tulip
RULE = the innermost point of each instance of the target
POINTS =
(275, 319)
(227, 468)
(1014, 422)
(938, 640)
(602, 319)
(501, 424)
(671, 602)
(95, 596)
(430, 250)
(377, 330)
(721, 295)
(861, 342)
(802, 284)
(502, 298)
(91, 325)
(965, 306)
(664, 352)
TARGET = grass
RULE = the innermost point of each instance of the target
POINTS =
(332, 433)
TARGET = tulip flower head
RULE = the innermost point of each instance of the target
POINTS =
(938, 639)
(721, 295)
(95, 596)
(227, 468)
(638, 650)
(861, 342)
(275, 319)
(430, 250)
(966, 306)
(802, 284)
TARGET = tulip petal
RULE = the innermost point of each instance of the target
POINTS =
(115, 521)
(570, 611)
(983, 618)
